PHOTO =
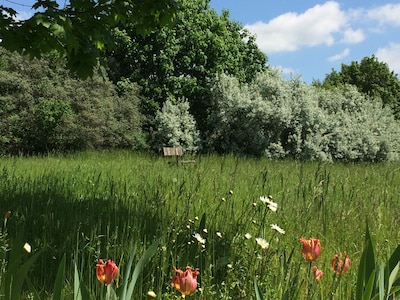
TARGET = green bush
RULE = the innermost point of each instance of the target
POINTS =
(43, 108)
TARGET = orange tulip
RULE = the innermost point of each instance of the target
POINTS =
(340, 266)
(106, 272)
(317, 273)
(311, 248)
(185, 281)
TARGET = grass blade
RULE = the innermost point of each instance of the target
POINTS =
(257, 290)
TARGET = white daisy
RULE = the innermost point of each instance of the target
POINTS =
(198, 237)
(263, 243)
(277, 228)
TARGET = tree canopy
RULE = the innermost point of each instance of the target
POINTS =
(180, 60)
(372, 78)
(81, 29)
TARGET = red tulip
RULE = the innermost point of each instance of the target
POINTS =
(340, 266)
(106, 272)
(317, 273)
(311, 248)
(185, 281)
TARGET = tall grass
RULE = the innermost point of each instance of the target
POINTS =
(99, 204)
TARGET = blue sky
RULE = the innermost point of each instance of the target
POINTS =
(308, 38)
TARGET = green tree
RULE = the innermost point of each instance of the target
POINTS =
(372, 78)
(181, 60)
(80, 30)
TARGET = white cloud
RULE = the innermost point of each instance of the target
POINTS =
(390, 55)
(351, 36)
(23, 15)
(290, 31)
(340, 56)
(386, 14)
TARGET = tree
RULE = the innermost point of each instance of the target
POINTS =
(181, 60)
(175, 126)
(372, 78)
(80, 30)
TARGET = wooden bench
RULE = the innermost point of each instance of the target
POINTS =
(177, 152)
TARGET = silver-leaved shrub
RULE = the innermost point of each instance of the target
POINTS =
(175, 126)
(288, 118)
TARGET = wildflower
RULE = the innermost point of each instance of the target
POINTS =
(247, 236)
(205, 230)
(271, 204)
(317, 273)
(27, 248)
(340, 266)
(263, 243)
(185, 282)
(198, 237)
(231, 192)
(106, 272)
(311, 248)
(277, 228)
(219, 234)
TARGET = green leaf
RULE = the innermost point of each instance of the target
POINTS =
(77, 289)
(369, 287)
(19, 277)
(58, 285)
(140, 265)
(32, 289)
(381, 281)
(257, 290)
(394, 259)
(127, 273)
(392, 278)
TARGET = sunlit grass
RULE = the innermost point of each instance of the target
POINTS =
(99, 204)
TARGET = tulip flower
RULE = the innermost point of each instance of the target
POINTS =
(185, 281)
(340, 266)
(106, 272)
(311, 248)
(317, 273)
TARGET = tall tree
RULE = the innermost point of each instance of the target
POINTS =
(179, 61)
(80, 30)
(372, 78)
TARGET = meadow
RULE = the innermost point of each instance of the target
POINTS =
(96, 205)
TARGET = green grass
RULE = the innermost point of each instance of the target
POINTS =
(100, 204)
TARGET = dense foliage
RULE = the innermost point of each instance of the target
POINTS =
(180, 60)
(291, 119)
(43, 108)
(80, 30)
(372, 78)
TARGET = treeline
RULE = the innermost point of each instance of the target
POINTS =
(45, 109)
(201, 83)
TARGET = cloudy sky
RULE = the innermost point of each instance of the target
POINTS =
(309, 38)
